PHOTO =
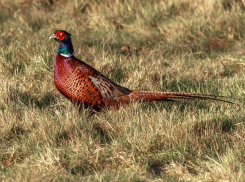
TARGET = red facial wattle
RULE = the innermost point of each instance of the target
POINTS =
(60, 35)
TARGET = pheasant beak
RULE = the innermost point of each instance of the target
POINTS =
(53, 37)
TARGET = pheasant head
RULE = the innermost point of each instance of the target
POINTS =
(64, 38)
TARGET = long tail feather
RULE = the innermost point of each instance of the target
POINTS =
(158, 96)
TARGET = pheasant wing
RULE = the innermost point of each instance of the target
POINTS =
(92, 88)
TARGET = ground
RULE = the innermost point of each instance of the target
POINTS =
(159, 45)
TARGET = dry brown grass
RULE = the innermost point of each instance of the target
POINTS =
(188, 46)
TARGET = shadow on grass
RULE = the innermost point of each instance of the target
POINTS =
(156, 167)
(79, 170)
(224, 125)
(64, 135)
(102, 132)
(16, 132)
(215, 135)
(27, 98)
(181, 105)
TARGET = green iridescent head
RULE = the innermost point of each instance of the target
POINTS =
(64, 38)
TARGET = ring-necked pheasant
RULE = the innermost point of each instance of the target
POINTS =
(84, 85)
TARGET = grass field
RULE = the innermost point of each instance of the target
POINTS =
(158, 45)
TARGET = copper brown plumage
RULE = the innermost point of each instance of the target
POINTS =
(84, 85)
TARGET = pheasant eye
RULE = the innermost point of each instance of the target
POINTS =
(60, 35)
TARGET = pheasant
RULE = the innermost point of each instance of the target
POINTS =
(84, 85)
